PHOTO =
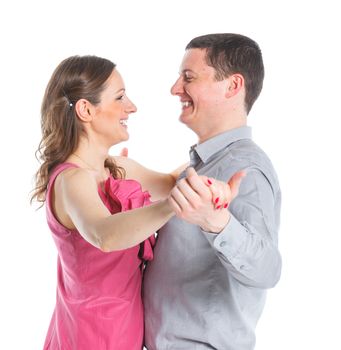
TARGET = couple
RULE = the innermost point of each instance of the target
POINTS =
(216, 251)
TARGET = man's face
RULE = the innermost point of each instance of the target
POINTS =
(202, 97)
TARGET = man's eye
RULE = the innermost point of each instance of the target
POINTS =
(188, 79)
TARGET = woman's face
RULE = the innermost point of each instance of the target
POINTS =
(111, 114)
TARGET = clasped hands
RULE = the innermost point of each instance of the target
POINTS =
(204, 201)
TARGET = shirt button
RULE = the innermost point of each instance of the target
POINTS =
(223, 244)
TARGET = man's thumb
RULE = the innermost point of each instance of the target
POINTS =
(191, 172)
(124, 152)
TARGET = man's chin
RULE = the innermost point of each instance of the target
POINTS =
(186, 118)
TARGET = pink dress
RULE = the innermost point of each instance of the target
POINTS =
(99, 303)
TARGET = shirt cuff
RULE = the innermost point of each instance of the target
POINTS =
(230, 239)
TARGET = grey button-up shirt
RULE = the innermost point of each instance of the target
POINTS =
(205, 290)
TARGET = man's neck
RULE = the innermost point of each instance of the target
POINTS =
(212, 133)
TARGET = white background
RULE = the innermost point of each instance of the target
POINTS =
(295, 120)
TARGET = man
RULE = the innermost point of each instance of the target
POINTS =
(205, 288)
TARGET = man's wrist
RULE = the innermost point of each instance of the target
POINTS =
(217, 227)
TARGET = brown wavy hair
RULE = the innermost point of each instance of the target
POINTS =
(77, 77)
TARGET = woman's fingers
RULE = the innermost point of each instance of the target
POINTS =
(235, 182)
(224, 193)
(220, 193)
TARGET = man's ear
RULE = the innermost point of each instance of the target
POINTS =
(84, 109)
(235, 84)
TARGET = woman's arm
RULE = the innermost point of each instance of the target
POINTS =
(157, 184)
(82, 204)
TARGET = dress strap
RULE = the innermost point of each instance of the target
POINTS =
(57, 170)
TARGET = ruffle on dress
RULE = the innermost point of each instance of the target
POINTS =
(123, 195)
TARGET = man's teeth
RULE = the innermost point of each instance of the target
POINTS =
(123, 122)
(186, 103)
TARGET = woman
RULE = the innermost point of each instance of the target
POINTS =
(100, 255)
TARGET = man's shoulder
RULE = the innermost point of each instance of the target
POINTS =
(246, 155)
(245, 150)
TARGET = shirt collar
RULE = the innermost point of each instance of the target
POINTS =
(215, 144)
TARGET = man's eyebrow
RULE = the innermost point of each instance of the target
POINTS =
(184, 71)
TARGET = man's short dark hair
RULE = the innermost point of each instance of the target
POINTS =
(231, 53)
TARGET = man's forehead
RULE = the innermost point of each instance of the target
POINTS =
(194, 55)
(194, 60)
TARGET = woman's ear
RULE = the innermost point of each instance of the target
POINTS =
(235, 84)
(83, 109)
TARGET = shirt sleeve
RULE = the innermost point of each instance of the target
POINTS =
(248, 245)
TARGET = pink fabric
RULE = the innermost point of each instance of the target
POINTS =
(99, 303)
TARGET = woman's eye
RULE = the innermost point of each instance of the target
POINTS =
(120, 97)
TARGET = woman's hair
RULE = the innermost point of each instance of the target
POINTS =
(77, 77)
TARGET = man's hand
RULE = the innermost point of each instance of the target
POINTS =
(124, 152)
(204, 201)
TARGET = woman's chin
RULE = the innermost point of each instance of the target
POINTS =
(120, 139)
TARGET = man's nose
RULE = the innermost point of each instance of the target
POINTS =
(177, 88)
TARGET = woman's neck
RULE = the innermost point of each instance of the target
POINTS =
(91, 158)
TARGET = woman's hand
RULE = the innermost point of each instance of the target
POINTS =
(204, 201)
(223, 193)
